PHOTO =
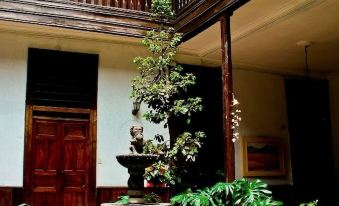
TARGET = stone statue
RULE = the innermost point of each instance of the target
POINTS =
(136, 162)
(137, 142)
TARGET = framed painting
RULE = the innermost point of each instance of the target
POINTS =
(263, 156)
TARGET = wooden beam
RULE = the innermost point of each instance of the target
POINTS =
(202, 14)
(72, 15)
(227, 82)
(196, 17)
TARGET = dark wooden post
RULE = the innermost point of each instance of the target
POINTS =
(227, 85)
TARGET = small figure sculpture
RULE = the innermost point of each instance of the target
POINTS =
(137, 142)
(136, 162)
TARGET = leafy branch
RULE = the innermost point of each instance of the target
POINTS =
(161, 84)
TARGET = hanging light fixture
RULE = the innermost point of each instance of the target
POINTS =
(136, 107)
(306, 44)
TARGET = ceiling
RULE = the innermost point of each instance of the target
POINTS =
(265, 33)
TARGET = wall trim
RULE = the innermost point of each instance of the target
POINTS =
(29, 30)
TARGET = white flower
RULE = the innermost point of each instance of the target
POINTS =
(235, 119)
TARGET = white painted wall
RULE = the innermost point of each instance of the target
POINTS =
(263, 105)
(334, 106)
(12, 111)
(114, 113)
(114, 106)
(262, 98)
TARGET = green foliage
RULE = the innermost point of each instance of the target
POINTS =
(161, 81)
(240, 192)
(313, 203)
(161, 84)
(123, 199)
(253, 193)
(148, 197)
(152, 198)
(186, 148)
(162, 8)
(158, 173)
(201, 197)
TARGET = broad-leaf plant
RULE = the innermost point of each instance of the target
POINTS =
(240, 192)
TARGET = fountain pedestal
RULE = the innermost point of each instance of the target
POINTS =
(136, 185)
(136, 164)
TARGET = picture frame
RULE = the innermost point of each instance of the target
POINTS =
(263, 157)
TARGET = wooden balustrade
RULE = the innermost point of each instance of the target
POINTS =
(180, 5)
(139, 5)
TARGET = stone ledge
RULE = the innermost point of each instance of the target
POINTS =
(145, 204)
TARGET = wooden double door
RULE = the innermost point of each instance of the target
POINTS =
(60, 157)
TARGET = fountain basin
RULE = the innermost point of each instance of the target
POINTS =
(136, 164)
(137, 161)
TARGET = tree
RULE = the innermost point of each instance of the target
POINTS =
(160, 85)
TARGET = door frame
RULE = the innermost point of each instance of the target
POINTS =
(28, 146)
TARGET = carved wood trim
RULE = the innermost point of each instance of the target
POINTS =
(93, 134)
(61, 109)
(28, 150)
(192, 19)
(82, 17)
(78, 6)
(188, 5)
(204, 14)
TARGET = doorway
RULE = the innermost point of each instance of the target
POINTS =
(209, 166)
(60, 143)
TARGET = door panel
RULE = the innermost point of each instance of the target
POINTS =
(44, 199)
(45, 159)
(74, 168)
(60, 163)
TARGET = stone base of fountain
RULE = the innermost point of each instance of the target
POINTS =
(136, 196)
(144, 204)
(136, 164)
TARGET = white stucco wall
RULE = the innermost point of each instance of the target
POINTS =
(263, 105)
(114, 116)
(12, 111)
(262, 98)
(334, 108)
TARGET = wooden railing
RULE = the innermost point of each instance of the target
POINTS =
(181, 5)
(139, 5)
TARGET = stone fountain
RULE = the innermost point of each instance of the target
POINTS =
(136, 162)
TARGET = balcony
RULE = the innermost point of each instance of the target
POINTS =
(119, 17)
(139, 5)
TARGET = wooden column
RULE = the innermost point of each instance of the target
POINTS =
(227, 85)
